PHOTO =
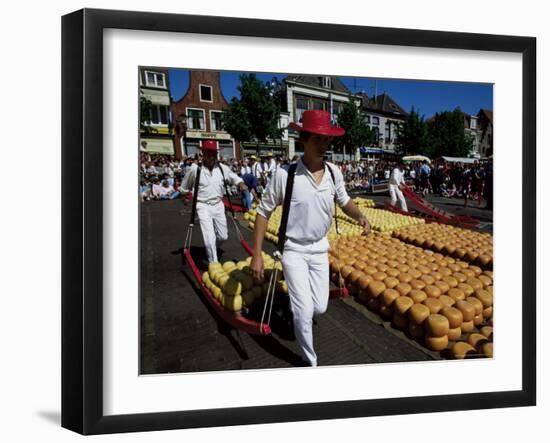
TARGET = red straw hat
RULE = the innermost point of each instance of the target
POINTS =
(317, 122)
(209, 145)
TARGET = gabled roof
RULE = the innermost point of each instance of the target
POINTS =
(487, 113)
(382, 103)
(317, 82)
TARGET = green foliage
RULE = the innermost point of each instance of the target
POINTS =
(412, 135)
(447, 135)
(358, 134)
(145, 111)
(255, 115)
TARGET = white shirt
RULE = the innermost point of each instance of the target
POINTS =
(166, 191)
(257, 169)
(156, 190)
(211, 185)
(397, 177)
(311, 205)
(246, 170)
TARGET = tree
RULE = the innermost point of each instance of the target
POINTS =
(412, 135)
(447, 135)
(145, 113)
(255, 115)
(358, 134)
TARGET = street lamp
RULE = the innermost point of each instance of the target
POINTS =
(182, 121)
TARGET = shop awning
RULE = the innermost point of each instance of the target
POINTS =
(157, 146)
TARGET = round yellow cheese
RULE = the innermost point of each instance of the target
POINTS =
(454, 333)
(437, 325)
(417, 295)
(461, 350)
(402, 304)
(376, 288)
(414, 330)
(454, 316)
(400, 321)
(467, 326)
(418, 313)
(437, 343)
(373, 303)
(433, 304)
(468, 311)
(487, 331)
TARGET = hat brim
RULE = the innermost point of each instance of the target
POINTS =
(332, 131)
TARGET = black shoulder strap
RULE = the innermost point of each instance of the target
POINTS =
(286, 206)
(335, 202)
(226, 191)
(195, 195)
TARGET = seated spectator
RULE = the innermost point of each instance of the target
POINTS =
(167, 191)
(144, 191)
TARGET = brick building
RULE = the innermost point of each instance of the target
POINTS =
(198, 116)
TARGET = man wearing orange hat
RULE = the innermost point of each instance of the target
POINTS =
(210, 188)
(317, 185)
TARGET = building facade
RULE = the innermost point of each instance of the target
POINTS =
(307, 92)
(156, 122)
(384, 116)
(198, 116)
(471, 129)
(485, 129)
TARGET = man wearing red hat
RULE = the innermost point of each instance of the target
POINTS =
(210, 192)
(316, 186)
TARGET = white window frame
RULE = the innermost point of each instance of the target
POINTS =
(156, 85)
(211, 120)
(327, 82)
(211, 93)
(188, 117)
(156, 108)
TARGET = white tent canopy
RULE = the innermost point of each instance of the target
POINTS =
(416, 158)
(460, 159)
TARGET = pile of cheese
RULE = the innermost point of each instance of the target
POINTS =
(432, 297)
(379, 219)
(233, 285)
(464, 244)
(382, 220)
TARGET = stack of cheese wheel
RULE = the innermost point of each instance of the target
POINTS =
(476, 344)
(464, 244)
(382, 220)
(407, 284)
(234, 287)
(362, 202)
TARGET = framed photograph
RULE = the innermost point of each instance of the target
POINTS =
(269, 221)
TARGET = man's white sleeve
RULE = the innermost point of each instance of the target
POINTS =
(234, 178)
(189, 179)
(273, 194)
(342, 197)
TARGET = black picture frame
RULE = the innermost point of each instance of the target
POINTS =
(82, 215)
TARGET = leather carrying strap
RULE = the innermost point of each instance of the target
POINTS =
(227, 192)
(286, 204)
(195, 196)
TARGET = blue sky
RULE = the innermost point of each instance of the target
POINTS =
(428, 97)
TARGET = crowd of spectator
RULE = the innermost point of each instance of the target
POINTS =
(161, 176)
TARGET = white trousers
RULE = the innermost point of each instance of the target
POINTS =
(306, 271)
(213, 226)
(395, 193)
